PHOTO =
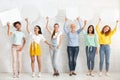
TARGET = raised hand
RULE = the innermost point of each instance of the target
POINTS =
(8, 24)
(117, 21)
(99, 19)
(66, 19)
(26, 19)
(78, 18)
(47, 18)
(85, 22)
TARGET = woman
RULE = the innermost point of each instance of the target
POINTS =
(56, 39)
(17, 47)
(73, 45)
(35, 49)
(91, 47)
(105, 40)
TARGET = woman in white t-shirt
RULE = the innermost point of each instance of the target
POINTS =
(35, 49)
(56, 38)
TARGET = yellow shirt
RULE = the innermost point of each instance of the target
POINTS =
(103, 39)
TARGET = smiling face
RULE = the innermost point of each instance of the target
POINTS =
(17, 25)
(56, 27)
(91, 29)
(36, 30)
(106, 30)
(73, 27)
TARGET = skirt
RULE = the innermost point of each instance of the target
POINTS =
(35, 49)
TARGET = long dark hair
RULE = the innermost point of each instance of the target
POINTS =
(106, 33)
(54, 30)
(39, 32)
(92, 31)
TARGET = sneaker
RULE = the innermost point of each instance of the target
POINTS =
(107, 74)
(100, 74)
(33, 74)
(14, 76)
(92, 74)
(39, 74)
(88, 74)
(18, 76)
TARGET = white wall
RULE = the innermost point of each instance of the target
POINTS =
(32, 9)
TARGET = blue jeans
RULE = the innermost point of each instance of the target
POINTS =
(72, 55)
(54, 53)
(90, 53)
(104, 54)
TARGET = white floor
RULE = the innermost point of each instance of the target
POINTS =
(63, 76)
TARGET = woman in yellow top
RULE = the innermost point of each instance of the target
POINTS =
(105, 40)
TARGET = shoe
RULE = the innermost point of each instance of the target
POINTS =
(70, 74)
(33, 74)
(107, 74)
(57, 74)
(39, 74)
(54, 74)
(18, 76)
(100, 74)
(74, 73)
(92, 74)
(14, 76)
(88, 74)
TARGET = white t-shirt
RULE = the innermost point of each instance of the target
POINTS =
(37, 38)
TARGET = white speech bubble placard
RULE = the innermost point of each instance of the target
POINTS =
(10, 16)
(72, 12)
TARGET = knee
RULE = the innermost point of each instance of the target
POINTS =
(33, 60)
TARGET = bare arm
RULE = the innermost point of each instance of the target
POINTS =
(48, 44)
(97, 27)
(115, 29)
(47, 25)
(24, 41)
(60, 41)
(85, 22)
(27, 26)
(80, 29)
(9, 32)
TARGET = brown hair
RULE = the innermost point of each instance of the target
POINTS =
(106, 33)
(54, 30)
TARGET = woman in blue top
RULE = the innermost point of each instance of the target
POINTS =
(73, 45)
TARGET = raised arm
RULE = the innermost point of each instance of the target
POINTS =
(65, 26)
(27, 25)
(97, 27)
(80, 29)
(9, 32)
(47, 18)
(114, 30)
